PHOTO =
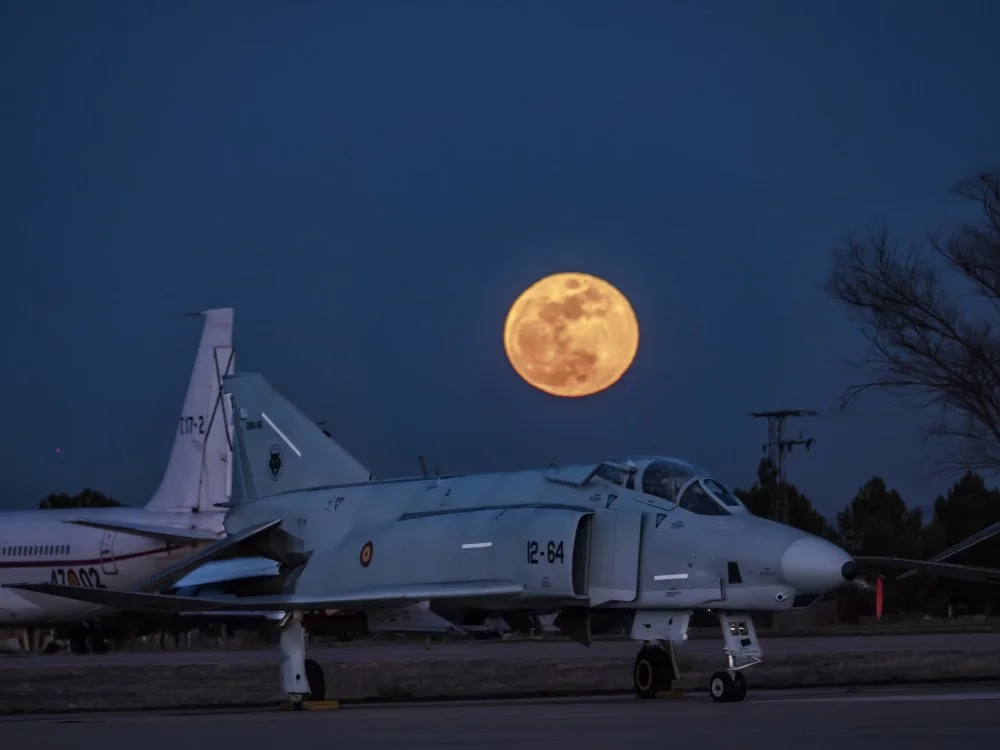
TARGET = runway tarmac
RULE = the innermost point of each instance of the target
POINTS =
(356, 652)
(873, 719)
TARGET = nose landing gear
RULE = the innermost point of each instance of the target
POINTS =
(742, 651)
(727, 688)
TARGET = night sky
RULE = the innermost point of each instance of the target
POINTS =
(370, 185)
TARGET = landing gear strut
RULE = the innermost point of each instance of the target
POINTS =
(301, 679)
(654, 670)
(87, 639)
(742, 651)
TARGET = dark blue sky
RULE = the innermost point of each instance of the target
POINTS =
(372, 184)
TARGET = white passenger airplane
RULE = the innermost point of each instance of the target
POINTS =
(116, 548)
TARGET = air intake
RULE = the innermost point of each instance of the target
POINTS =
(734, 573)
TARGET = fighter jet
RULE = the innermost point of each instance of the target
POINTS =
(639, 542)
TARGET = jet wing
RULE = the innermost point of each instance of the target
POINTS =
(358, 599)
(942, 569)
(166, 533)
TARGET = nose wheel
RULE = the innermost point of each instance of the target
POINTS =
(742, 651)
(727, 688)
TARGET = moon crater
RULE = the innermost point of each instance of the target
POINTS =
(571, 334)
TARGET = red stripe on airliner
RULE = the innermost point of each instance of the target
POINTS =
(5, 564)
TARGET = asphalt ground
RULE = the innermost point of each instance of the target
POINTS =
(862, 719)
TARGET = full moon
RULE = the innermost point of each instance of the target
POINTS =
(571, 334)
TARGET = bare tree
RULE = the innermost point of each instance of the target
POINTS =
(932, 319)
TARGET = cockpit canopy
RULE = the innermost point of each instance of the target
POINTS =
(681, 483)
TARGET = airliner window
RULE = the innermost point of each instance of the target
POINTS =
(697, 500)
(720, 491)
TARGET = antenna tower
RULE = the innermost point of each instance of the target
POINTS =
(776, 447)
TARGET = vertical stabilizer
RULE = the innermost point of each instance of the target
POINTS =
(198, 475)
(280, 449)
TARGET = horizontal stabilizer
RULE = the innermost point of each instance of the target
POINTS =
(228, 547)
(359, 599)
(942, 569)
(166, 533)
(223, 571)
(980, 536)
(274, 616)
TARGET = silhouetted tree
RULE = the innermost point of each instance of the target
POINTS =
(88, 498)
(928, 342)
(967, 507)
(877, 522)
(801, 513)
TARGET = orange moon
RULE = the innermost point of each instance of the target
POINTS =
(571, 335)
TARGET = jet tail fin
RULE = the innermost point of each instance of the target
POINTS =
(280, 449)
(198, 474)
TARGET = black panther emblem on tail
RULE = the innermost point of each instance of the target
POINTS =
(274, 462)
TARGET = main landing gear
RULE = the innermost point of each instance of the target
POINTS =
(87, 640)
(655, 667)
(301, 679)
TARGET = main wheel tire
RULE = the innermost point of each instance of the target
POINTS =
(317, 681)
(652, 672)
(78, 642)
(739, 687)
(721, 687)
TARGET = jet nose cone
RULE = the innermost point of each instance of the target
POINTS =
(814, 566)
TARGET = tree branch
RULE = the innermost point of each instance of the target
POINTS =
(924, 345)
